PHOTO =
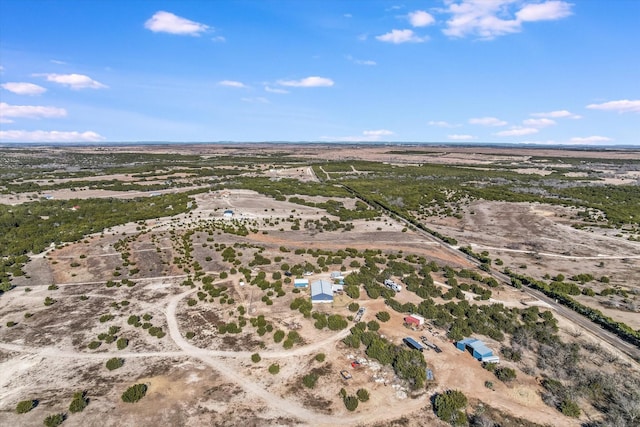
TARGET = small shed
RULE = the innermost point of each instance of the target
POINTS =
(228, 214)
(301, 283)
(321, 292)
(336, 275)
(337, 288)
(414, 319)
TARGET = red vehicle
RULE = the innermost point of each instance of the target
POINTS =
(355, 364)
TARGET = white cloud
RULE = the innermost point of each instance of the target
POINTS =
(256, 100)
(547, 11)
(367, 136)
(313, 81)
(74, 81)
(401, 36)
(487, 19)
(517, 131)
(440, 124)
(55, 61)
(420, 18)
(348, 15)
(621, 106)
(559, 114)
(487, 121)
(21, 88)
(458, 137)
(232, 83)
(275, 90)
(539, 123)
(590, 139)
(219, 39)
(361, 61)
(49, 136)
(9, 112)
(167, 22)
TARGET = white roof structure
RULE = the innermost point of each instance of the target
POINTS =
(321, 291)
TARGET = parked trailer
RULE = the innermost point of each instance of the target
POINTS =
(359, 315)
(429, 344)
(413, 344)
(390, 284)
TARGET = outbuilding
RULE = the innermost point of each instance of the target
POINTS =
(414, 319)
(478, 348)
(301, 283)
(228, 214)
(321, 292)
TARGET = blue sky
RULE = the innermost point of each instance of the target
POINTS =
(545, 71)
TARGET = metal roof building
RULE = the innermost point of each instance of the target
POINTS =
(321, 291)
(478, 348)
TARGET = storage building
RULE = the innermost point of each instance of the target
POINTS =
(414, 319)
(478, 349)
(321, 292)
(301, 283)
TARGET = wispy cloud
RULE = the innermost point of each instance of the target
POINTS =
(517, 131)
(440, 124)
(256, 100)
(313, 81)
(9, 112)
(275, 90)
(360, 61)
(539, 123)
(460, 137)
(590, 139)
(74, 81)
(558, 114)
(621, 106)
(488, 19)
(487, 121)
(367, 136)
(49, 136)
(21, 88)
(232, 83)
(401, 36)
(219, 39)
(420, 18)
(167, 22)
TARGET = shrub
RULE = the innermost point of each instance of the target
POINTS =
(106, 318)
(274, 369)
(190, 335)
(79, 402)
(570, 408)
(320, 357)
(363, 395)
(94, 344)
(278, 336)
(373, 325)
(383, 316)
(488, 384)
(505, 374)
(351, 403)
(54, 420)
(354, 306)
(310, 380)
(25, 406)
(114, 363)
(255, 358)
(49, 301)
(449, 405)
(11, 324)
(191, 302)
(134, 393)
(122, 343)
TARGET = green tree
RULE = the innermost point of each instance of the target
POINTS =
(505, 374)
(449, 406)
(354, 306)
(278, 336)
(570, 408)
(114, 363)
(363, 395)
(310, 380)
(122, 343)
(134, 393)
(320, 357)
(274, 369)
(25, 406)
(255, 358)
(383, 316)
(54, 420)
(79, 402)
(351, 403)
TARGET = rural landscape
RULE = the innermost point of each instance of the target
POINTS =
(319, 284)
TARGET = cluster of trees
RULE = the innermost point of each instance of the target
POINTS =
(449, 407)
(407, 364)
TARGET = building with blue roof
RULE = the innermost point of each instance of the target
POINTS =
(321, 291)
(477, 348)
